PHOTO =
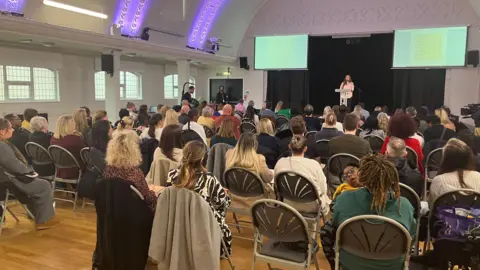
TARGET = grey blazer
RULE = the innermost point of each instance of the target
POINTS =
(11, 164)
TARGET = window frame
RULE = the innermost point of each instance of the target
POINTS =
(122, 89)
(191, 79)
(31, 84)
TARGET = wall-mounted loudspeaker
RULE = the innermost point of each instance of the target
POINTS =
(473, 58)
(244, 63)
(107, 63)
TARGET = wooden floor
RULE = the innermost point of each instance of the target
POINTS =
(70, 246)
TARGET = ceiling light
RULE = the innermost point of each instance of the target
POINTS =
(74, 9)
(48, 44)
(25, 41)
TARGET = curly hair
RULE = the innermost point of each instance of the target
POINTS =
(401, 126)
(123, 150)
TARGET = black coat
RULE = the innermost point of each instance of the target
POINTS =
(409, 176)
(19, 139)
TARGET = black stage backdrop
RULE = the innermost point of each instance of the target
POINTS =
(289, 86)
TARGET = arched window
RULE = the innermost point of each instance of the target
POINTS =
(170, 84)
(130, 85)
(28, 83)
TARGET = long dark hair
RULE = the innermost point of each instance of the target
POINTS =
(100, 136)
(143, 110)
(250, 113)
(170, 139)
(371, 124)
(457, 157)
(152, 124)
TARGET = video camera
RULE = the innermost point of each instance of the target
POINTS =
(469, 109)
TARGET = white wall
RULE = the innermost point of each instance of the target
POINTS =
(76, 82)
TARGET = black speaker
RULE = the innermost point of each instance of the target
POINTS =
(107, 63)
(244, 63)
(473, 58)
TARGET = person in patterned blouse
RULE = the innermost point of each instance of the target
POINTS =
(192, 175)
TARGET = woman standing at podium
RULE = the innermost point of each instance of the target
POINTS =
(346, 98)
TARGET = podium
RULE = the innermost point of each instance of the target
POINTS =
(343, 96)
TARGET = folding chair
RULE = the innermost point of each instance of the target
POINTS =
(245, 185)
(432, 166)
(335, 166)
(412, 196)
(289, 242)
(458, 197)
(247, 127)
(281, 120)
(373, 237)
(85, 156)
(309, 134)
(40, 157)
(208, 131)
(297, 190)
(323, 150)
(412, 157)
(4, 204)
(63, 159)
(375, 141)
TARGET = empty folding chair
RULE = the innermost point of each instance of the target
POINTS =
(372, 237)
(432, 166)
(281, 120)
(247, 127)
(289, 241)
(412, 196)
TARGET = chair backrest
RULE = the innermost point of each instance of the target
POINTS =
(62, 158)
(294, 186)
(375, 141)
(420, 134)
(433, 162)
(412, 157)
(189, 135)
(323, 150)
(208, 132)
(243, 183)
(38, 154)
(281, 120)
(278, 221)
(247, 127)
(373, 237)
(85, 155)
(412, 196)
(309, 134)
(337, 163)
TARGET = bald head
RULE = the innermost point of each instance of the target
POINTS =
(396, 148)
(185, 109)
(227, 109)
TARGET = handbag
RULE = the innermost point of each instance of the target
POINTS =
(457, 222)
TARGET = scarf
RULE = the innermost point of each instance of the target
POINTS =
(17, 152)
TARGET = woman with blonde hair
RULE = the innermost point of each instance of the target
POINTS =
(163, 111)
(383, 122)
(67, 137)
(266, 136)
(123, 159)
(100, 115)
(171, 118)
(81, 122)
(330, 129)
(125, 124)
(444, 120)
(193, 176)
(226, 133)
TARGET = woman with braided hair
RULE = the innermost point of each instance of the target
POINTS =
(192, 175)
(380, 195)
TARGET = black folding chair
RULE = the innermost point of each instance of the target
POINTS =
(412, 157)
(336, 165)
(432, 166)
(40, 157)
(375, 141)
(247, 127)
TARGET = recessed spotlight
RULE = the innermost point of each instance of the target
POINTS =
(48, 44)
(131, 54)
(25, 41)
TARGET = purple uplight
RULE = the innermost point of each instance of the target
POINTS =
(130, 14)
(12, 5)
(203, 23)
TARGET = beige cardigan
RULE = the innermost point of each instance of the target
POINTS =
(161, 165)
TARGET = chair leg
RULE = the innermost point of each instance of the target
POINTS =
(2, 219)
(269, 267)
(236, 221)
(75, 201)
(7, 195)
(29, 213)
(316, 262)
(228, 254)
(83, 203)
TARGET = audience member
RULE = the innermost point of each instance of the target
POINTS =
(163, 111)
(101, 134)
(383, 120)
(121, 114)
(67, 137)
(397, 153)
(177, 108)
(81, 123)
(123, 161)
(155, 128)
(437, 131)
(218, 112)
(381, 196)
(37, 191)
(132, 111)
(371, 128)
(342, 112)
(239, 107)
(192, 124)
(250, 115)
(457, 170)
(330, 128)
(170, 146)
(350, 181)
(266, 136)
(126, 124)
(245, 156)
(444, 119)
(327, 110)
(171, 118)
(416, 135)
(281, 110)
(267, 112)
(251, 103)
(349, 143)
(28, 114)
(183, 118)
(297, 127)
(143, 116)
(100, 115)
(226, 134)
(159, 108)
(227, 113)
(423, 114)
(307, 167)
(468, 138)
(193, 176)
(20, 135)
(206, 118)
(200, 107)
(385, 110)
(399, 111)
(335, 109)
(411, 111)
(88, 115)
(402, 126)
(312, 123)
(41, 136)
(376, 111)
(363, 112)
(358, 111)
(188, 95)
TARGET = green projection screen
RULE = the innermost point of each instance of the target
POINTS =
(281, 52)
(434, 47)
